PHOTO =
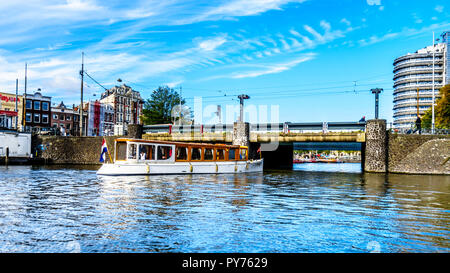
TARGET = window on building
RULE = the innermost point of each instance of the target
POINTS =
(28, 104)
(45, 106)
(44, 118)
(68, 126)
(37, 105)
(67, 117)
(61, 117)
(28, 117)
(75, 118)
(55, 116)
(37, 118)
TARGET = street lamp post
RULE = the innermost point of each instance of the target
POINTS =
(81, 91)
(432, 102)
(241, 102)
(376, 91)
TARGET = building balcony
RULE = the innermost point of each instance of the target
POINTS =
(422, 64)
(416, 56)
(416, 70)
(421, 79)
(413, 95)
(414, 88)
(405, 106)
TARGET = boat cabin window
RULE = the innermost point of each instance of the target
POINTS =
(220, 154)
(243, 154)
(146, 152)
(182, 153)
(121, 151)
(232, 154)
(209, 154)
(196, 154)
(132, 151)
(164, 152)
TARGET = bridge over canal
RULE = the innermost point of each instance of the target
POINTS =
(276, 140)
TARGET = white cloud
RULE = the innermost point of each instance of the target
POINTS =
(212, 44)
(273, 68)
(237, 8)
(373, 2)
(76, 5)
(439, 8)
(375, 39)
(345, 21)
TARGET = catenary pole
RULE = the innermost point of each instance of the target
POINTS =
(81, 104)
(432, 102)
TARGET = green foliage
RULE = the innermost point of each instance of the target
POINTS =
(158, 108)
(441, 111)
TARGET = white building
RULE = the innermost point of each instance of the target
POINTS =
(414, 81)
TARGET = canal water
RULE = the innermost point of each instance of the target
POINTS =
(69, 209)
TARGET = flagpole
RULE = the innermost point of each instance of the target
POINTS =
(106, 143)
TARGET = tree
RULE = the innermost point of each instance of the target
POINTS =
(158, 108)
(441, 111)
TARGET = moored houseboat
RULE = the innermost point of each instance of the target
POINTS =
(143, 157)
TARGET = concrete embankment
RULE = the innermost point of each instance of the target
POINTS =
(70, 150)
(418, 154)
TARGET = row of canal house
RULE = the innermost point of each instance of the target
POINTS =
(117, 108)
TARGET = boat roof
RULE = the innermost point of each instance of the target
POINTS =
(179, 143)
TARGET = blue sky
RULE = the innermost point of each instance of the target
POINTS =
(314, 60)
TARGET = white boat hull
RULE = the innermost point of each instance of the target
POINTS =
(149, 168)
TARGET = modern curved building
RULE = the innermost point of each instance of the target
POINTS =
(413, 81)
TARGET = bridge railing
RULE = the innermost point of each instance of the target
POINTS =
(285, 127)
(425, 131)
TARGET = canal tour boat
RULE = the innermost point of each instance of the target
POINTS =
(145, 157)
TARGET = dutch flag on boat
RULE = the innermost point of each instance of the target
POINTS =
(104, 150)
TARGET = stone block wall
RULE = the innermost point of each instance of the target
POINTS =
(419, 154)
(241, 133)
(135, 131)
(376, 152)
(70, 150)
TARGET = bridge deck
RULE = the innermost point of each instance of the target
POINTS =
(260, 137)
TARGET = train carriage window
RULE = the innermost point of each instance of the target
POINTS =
(182, 153)
(164, 152)
(209, 154)
(220, 154)
(196, 154)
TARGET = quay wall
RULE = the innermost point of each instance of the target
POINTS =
(418, 154)
(70, 150)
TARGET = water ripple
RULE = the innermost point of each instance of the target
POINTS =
(61, 209)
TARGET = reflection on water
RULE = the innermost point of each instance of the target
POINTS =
(62, 209)
(329, 167)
